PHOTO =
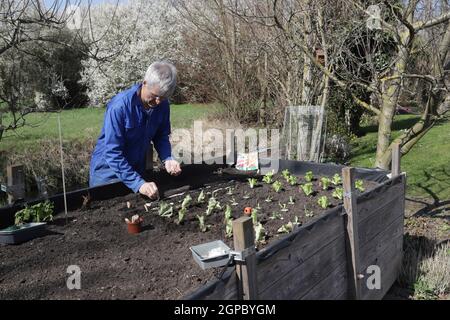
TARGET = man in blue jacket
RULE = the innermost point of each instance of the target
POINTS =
(133, 119)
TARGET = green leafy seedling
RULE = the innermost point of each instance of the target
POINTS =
(233, 202)
(252, 182)
(291, 200)
(325, 183)
(246, 195)
(285, 173)
(181, 215)
(165, 210)
(337, 180)
(338, 193)
(260, 233)
(201, 221)
(308, 213)
(307, 188)
(359, 185)
(268, 199)
(255, 212)
(309, 176)
(229, 228)
(212, 205)
(40, 212)
(288, 227)
(323, 202)
(186, 202)
(201, 197)
(276, 215)
(228, 213)
(292, 180)
(283, 207)
(268, 177)
(277, 186)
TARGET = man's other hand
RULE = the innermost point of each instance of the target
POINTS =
(150, 190)
(173, 167)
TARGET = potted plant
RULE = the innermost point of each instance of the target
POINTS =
(29, 223)
(134, 226)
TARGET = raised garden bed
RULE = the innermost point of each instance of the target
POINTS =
(310, 262)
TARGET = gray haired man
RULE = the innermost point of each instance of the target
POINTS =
(133, 119)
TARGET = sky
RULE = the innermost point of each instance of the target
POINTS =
(49, 3)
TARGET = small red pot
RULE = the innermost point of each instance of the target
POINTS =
(248, 211)
(134, 228)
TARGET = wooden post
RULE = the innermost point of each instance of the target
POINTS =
(396, 156)
(244, 239)
(16, 182)
(149, 158)
(352, 235)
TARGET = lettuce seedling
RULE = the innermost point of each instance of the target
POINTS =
(201, 221)
(255, 212)
(268, 199)
(246, 195)
(165, 210)
(359, 185)
(286, 228)
(338, 193)
(285, 173)
(308, 213)
(325, 183)
(268, 177)
(228, 213)
(186, 201)
(309, 176)
(201, 197)
(212, 205)
(283, 207)
(252, 182)
(323, 202)
(233, 202)
(181, 215)
(307, 188)
(291, 200)
(289, 227)
(229, 228)
(277, 186)
(292, 180)
(337, 180)
(276, 215)
(260, 233)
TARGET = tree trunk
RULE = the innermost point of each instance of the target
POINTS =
(307, 80)
(389, 101)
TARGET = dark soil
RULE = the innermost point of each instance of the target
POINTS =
(155, 264)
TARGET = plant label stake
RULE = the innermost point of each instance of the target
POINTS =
(62, 167)
(247, 161)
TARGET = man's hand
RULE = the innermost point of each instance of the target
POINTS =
(150, 190)
(173, 167)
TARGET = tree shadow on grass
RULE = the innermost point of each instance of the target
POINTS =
(441, 178)
(398, 124)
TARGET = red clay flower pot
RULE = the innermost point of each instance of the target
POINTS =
(134, 228)
(248, 211)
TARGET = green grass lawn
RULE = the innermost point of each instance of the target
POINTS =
(83, 123)
(427, 165)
